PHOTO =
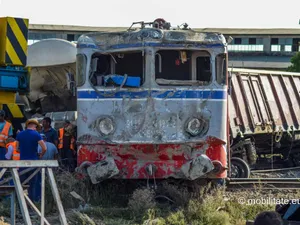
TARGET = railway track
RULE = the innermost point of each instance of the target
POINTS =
(276, 170)
(263, 183)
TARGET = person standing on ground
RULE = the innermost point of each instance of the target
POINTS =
(27, 143)
(12, 151)
(51, 152)
(5, 132)
(50, 132)
(66, 145)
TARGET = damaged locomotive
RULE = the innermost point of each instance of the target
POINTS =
(152, 103)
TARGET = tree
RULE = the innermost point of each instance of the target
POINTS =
(295, 60)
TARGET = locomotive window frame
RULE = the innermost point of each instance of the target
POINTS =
(220, 68)
(112, 63)
(81, 65)
(191, 58)
(195, 56)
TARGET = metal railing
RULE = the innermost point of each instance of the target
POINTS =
(33, 166)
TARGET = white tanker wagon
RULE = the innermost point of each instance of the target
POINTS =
(52, 80)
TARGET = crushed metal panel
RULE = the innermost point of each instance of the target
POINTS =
(158, 119)
(102, 170)
(197, 167)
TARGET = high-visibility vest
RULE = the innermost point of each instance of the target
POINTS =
(15, 155)
(61, 140)
(4, 134)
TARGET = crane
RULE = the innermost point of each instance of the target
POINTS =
(14, 75)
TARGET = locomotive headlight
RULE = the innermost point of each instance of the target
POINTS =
(196, 126)
(106, 126)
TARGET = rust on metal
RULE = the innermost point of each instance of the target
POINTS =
(264, 102)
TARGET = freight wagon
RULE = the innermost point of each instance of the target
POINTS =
(264, 115)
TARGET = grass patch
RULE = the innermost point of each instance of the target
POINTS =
(78, 218)
(141, 201)
(5, 207)
(120, 202)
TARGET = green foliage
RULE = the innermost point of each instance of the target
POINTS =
(78, 218)
(176, 218)
(141, 201)
(295, 60)
(239, 211)
(203, 205)
(152, 219)
(210, 210)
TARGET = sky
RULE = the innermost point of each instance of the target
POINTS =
(121, 13)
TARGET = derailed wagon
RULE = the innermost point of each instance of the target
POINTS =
(264, 114)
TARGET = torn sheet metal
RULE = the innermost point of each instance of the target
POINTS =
(184, 161)
(140, 37)
(102, 170)
(197, 167)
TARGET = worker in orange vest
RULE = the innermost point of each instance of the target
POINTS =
(12, 151)
(66, 145)
(5, 132)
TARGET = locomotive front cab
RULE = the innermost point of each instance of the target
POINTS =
(152, 103)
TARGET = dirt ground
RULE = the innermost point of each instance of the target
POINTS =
(121, 202)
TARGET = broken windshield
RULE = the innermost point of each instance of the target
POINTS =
(182, 67)
(124, 69)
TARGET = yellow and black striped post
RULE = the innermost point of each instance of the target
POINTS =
(13, 41)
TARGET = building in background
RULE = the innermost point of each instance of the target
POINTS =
(250, 48)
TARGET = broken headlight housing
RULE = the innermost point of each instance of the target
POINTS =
(196, 126)
(106, 126)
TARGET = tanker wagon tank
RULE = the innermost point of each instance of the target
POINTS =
(52, 80)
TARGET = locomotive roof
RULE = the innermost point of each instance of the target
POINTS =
(149, 37)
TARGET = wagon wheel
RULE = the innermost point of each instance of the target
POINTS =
(239, 168)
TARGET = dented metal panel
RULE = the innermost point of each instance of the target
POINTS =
(154, 118)
(264, 101)
(150, 37)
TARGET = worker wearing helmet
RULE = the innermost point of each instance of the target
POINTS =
(5, 132)
(28, 141)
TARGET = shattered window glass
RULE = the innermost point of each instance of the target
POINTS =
(124, 69)
(182, 67)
